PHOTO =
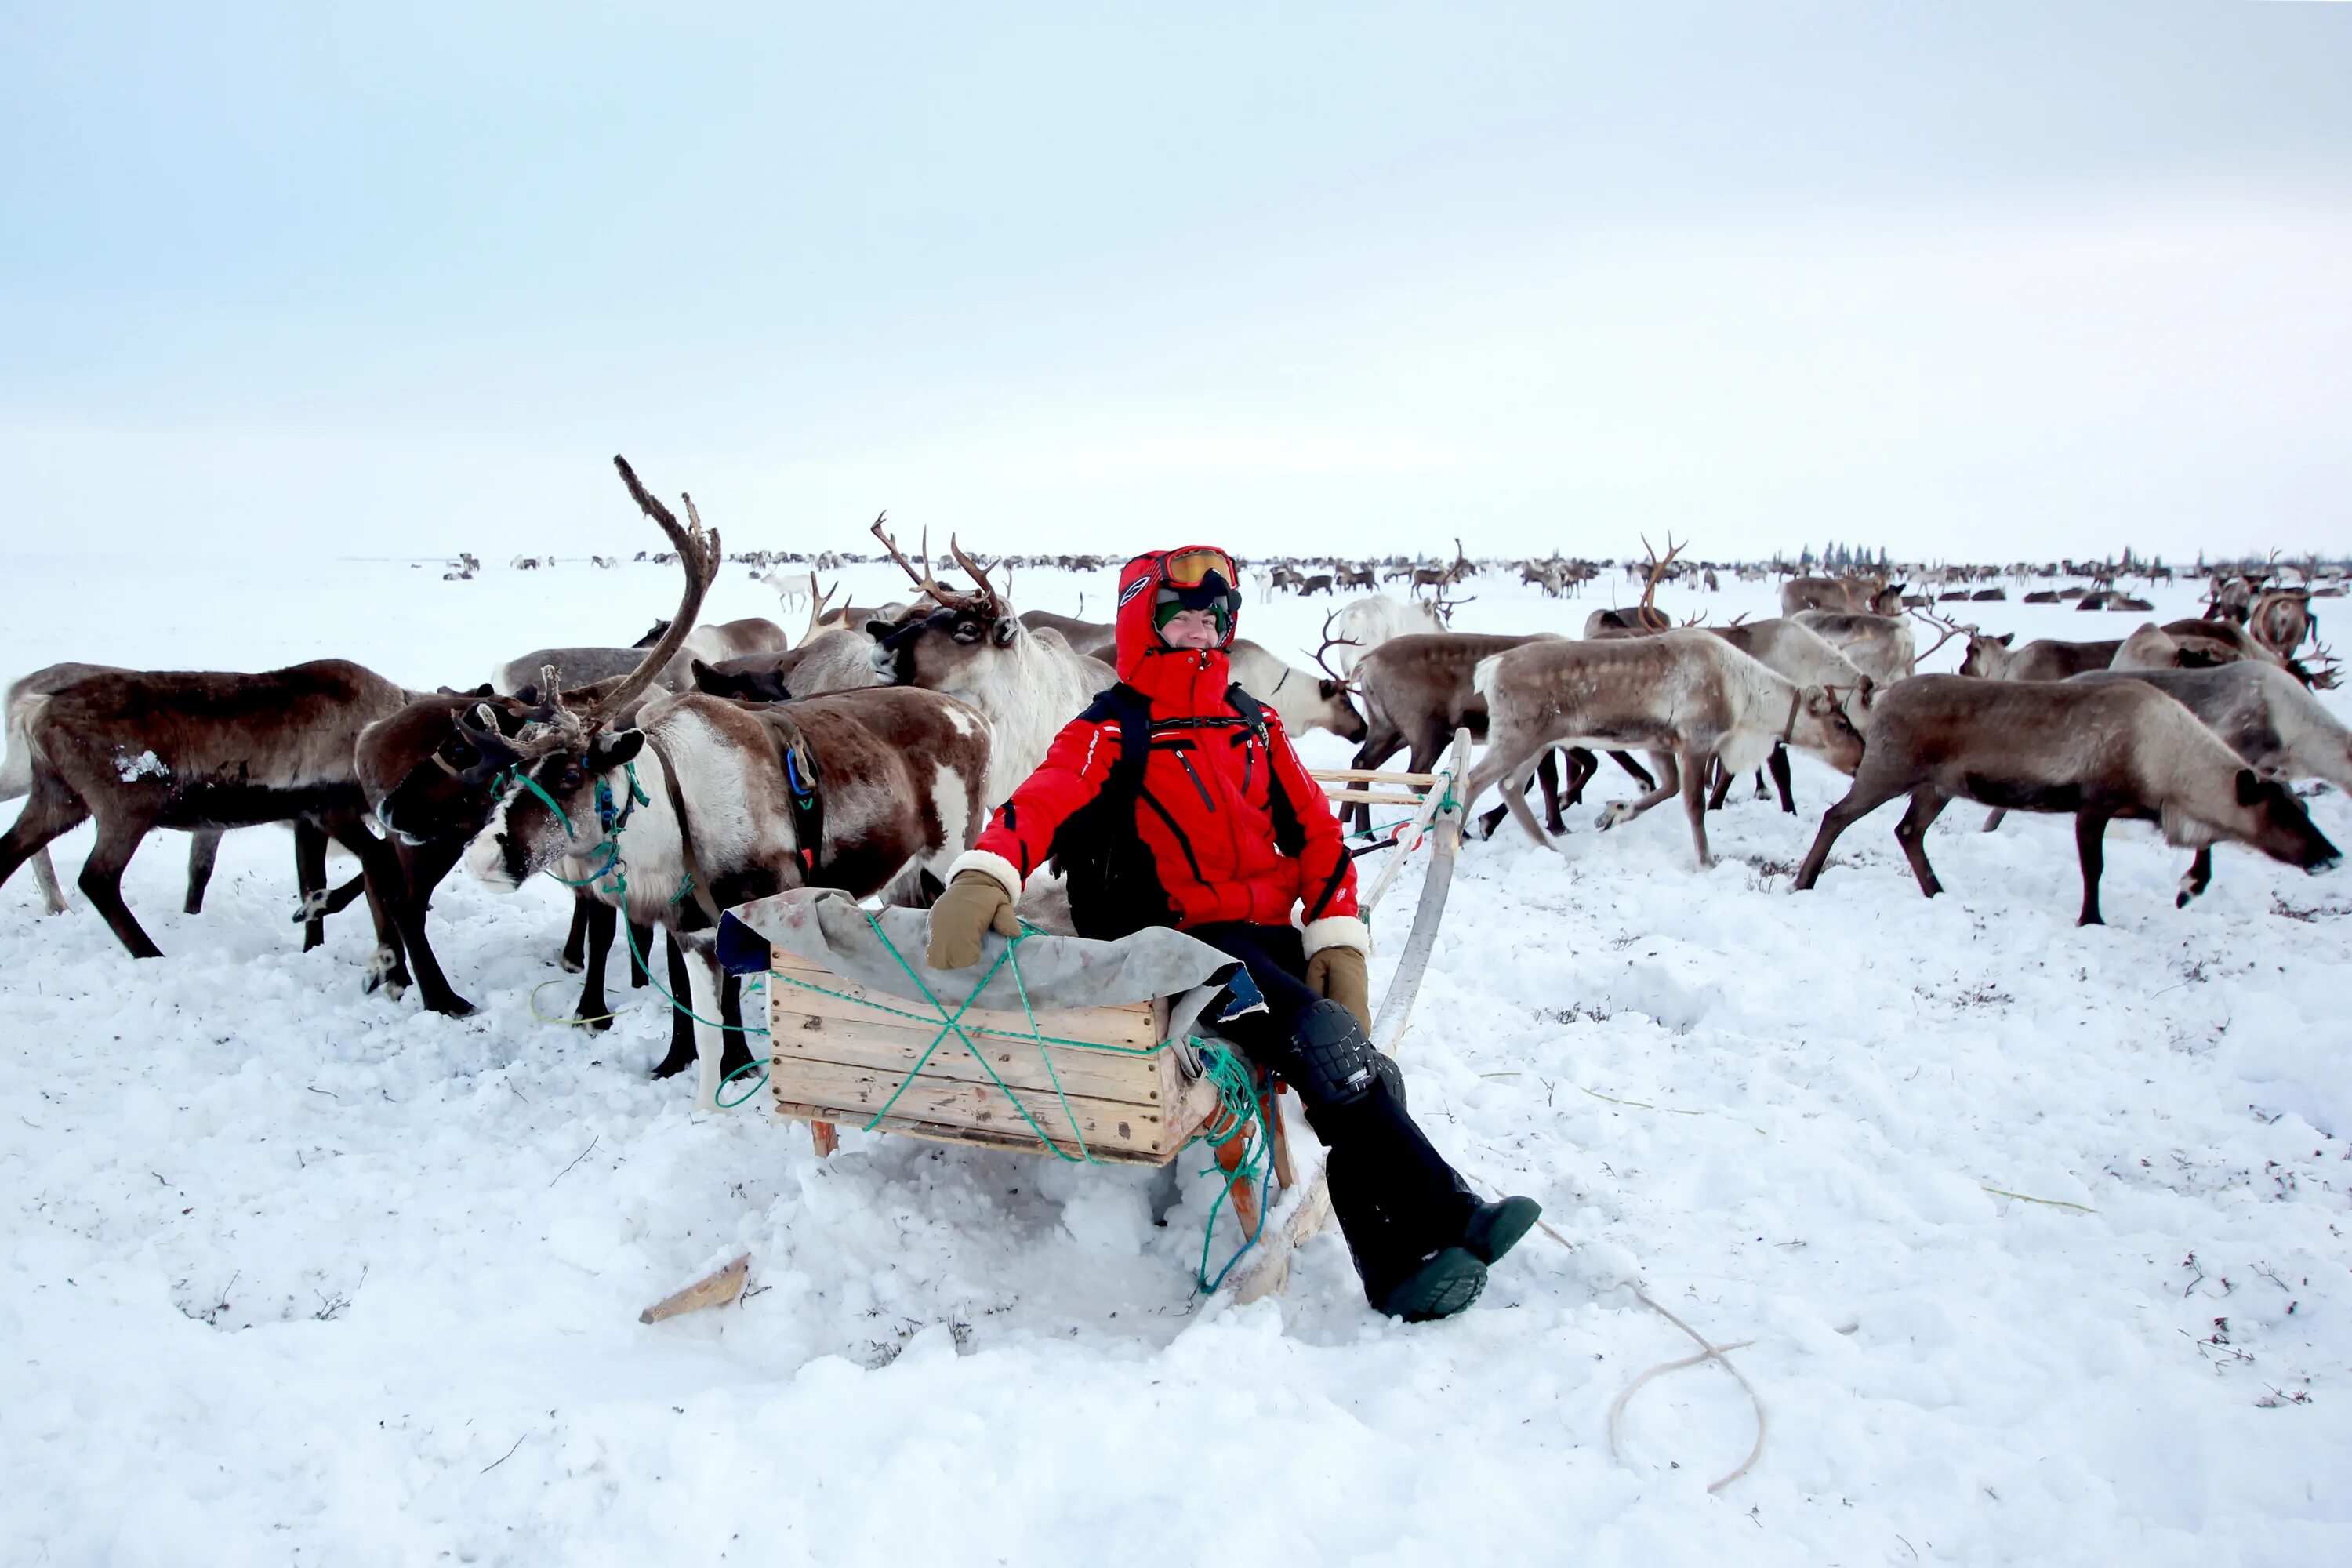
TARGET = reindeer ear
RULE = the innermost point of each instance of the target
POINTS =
(2250, 787)
(877, 630)
(2006, 639)
(1329, 689)
(1007, 628)
(614, 748)
(1817, 700)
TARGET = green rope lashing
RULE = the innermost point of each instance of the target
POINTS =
(1238, 1099)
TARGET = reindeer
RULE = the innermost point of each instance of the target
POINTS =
(2153, 647)
(1806, 658)
(1304, 701)
(575, 666)
(1687, 697)
(2099, 752)
(2262, 713)
(1871, 595)
(1028, 683)
(1091, 638)
(1645, 616)
(838, 660)
(872, 792)
(1416, 691)
(1442, 576)
(2045, 658)
(1365, 624)
(203, 843)
(1881, 647)
(202, 750)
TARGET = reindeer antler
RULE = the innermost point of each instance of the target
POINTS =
(698, 555)
(1658, 567)
(817, 602)
(1949, 628)
(1331, 642)
(988, 592)
(925, 582)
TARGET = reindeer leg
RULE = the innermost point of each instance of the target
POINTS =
(1617, 811)
(709, 1048)
(1722, 785)
(600, 918)
(1547, 775)
(1993, 818)
(2090, 846)
(681, 1029)
(1640, 774)
(1927, 802)
(575, 939)
(102, 880)
(736, 1049)
(411, 873)
(387, 888)
(642, 943)
(1582, 766)
(1779, 762)
(1508, 772)
(1860, 802)
(53, 898)
(204, 849)
(1694, 770)
(309, 877)
(2200, 876)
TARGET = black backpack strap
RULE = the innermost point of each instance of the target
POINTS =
(1132, 711)
(1251, 710)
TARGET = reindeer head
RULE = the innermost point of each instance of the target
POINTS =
(1818, 723)
(945, 648)
(558, 800)
(1988, 657)
(2270, 819)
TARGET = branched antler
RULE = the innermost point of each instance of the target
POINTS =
(1658, 568)
(1331, 642)
(923, 579)
(1949, 628)
(987, 590)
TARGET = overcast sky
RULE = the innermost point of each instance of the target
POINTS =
(1973, 281)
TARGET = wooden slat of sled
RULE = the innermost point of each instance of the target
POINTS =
(1357, 776)
(942, 1108)
(1126, 1024)
(1371, 797)
(890, 1045)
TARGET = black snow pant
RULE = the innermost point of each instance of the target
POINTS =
(1396, 1198)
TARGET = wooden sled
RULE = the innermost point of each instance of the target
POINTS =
(845, 1054)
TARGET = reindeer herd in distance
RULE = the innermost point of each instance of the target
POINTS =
(710, 764)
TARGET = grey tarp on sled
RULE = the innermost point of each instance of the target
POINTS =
(828, 929)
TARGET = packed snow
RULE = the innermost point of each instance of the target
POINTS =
(2032, 1235)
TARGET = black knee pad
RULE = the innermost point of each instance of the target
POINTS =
(1333, 1064)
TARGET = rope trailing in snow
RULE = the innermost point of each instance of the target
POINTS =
(1237, 1103)
(1707, 1351)
(551, 1018)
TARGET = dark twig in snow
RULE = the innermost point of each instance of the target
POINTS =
(582, 1156)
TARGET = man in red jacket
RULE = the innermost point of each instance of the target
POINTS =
(1220, 833)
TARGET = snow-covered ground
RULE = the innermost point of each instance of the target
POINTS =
(296, 1274)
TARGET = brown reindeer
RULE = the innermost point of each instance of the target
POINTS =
(200, 749)
(2099, 752)
(1687, 697)
(1416, 691)
(2045, 658)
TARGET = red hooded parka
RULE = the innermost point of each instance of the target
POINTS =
(1211, 798)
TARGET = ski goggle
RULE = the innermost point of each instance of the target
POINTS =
(1190, 568)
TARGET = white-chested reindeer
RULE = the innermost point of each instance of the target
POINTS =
(1028, 680)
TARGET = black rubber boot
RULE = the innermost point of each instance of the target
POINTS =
(1492, 1229)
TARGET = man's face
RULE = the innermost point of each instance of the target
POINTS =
(1190, 628)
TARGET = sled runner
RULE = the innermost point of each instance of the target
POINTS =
(1093, 1052)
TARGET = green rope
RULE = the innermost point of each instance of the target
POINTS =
(1237, 1081)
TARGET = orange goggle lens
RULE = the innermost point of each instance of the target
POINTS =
(1190, 568)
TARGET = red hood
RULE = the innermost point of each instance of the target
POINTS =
(1190, 680)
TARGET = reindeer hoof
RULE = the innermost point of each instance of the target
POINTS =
(384, 970)
(1611, 815)
(569, 964)
(312, 907)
